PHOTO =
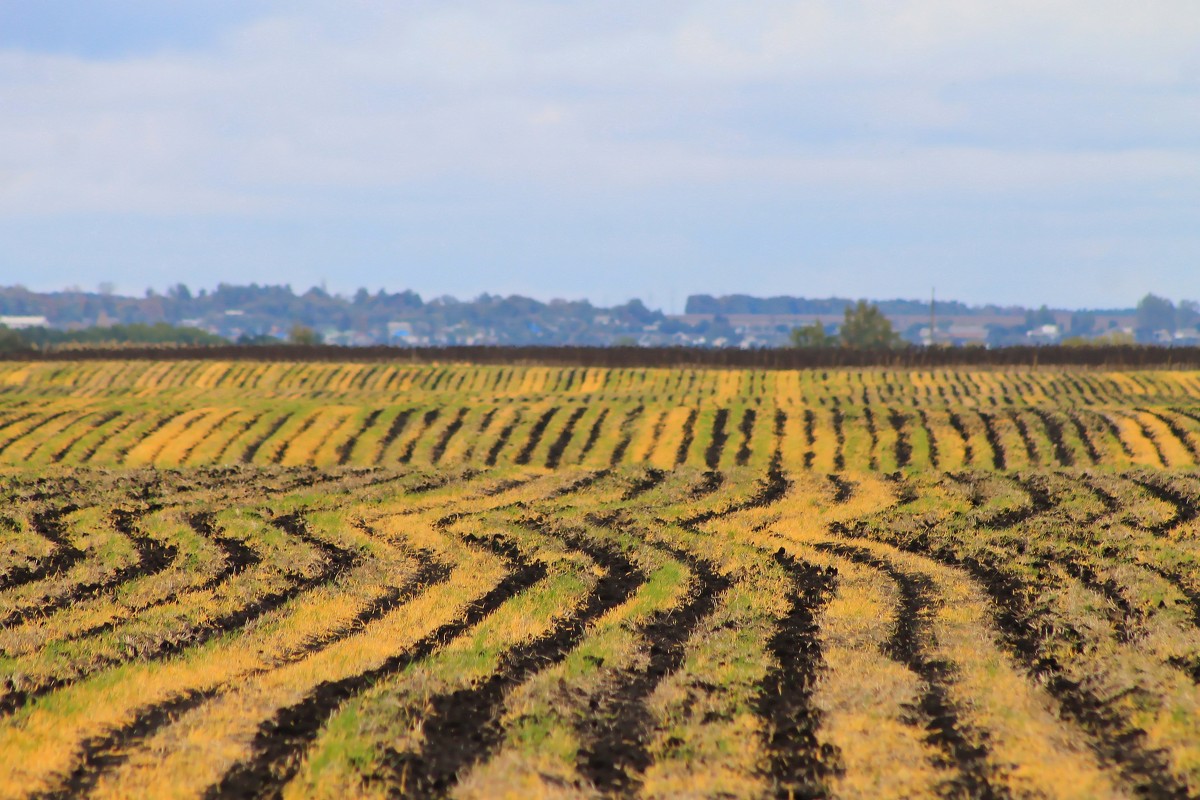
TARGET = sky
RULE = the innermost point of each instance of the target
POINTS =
(1016, 152)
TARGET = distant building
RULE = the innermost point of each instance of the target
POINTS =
(1044, 334)
(399, 332)
(17, 323)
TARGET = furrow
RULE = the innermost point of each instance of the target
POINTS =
(280, 742)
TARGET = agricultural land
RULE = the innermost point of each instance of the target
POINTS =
(298, 579)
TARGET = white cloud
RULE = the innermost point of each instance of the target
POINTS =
(362, 108)
(824, 94)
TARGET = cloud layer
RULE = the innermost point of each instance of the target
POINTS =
(550, 148)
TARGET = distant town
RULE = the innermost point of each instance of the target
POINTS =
(257, 314)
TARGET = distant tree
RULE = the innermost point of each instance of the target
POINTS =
(812, 335)
(302, 334)
(1108, 339)
(136, 333)
(11, 340)
(864, 327)
(256, 339)
(1039, 317)
(1082, 323)
(1187, 315)
(1155, 314)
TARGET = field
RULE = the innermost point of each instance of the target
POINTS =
(253, 579)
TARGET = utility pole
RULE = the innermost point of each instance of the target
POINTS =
(932, 317)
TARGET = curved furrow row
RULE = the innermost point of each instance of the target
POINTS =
(236, 558)
(593, 436)
(613, 735)
(1040, 644)
(101, 755)
(316, 623)
(800, 764)
(281, 741)
(166, 643)
(559, 445)
(461, 728)
(717, 439)
(746, 428)
(151, 557)
(535, 436)
(964, 749)
(63, 555)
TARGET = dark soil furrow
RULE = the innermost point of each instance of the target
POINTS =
(103, 754)
(580, 483)
(280, 742)
(685, 441)
(747, 430)
(399, 423)
(873, 436)
(252, 449)
(839, 435)
(613, 735)
(410, 447)
(439, 447)
(47, 524)
(347, 447)
(903, 448)
(1084, 437)
(593, 435)
(559, 445)
(650, 478)
(710, 481)
(716, 445)
(336, 561)
(963, 749)
(1023, 431)
(810, 438)
(1054, 431)
(463, 727)
(505, 434)
(843, 489)
(799, 762)
(993, 440)
(535, 437)
(626, 434)
(961, 429)
(153, 557)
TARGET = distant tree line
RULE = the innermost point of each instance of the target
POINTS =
(864, 327)
(745, 304)
(1113, 357)
(41, 338)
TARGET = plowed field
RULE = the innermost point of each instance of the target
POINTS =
(319, 580)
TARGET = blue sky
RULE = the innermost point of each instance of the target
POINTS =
(1013, 152)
